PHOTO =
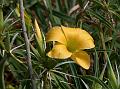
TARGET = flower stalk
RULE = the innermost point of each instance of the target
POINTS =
(46, 84)
(111, 73)
(27, 44)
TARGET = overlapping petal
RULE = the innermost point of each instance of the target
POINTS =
(59, 51)
(77, 38)
(56, 34)
(81, 58)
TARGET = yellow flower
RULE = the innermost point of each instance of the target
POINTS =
(70, 42)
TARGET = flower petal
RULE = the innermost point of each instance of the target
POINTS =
(81, 58)
(59, 51)
(78, 39)
(56, 34)
(37, 30)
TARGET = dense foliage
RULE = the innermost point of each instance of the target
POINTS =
(101, 18)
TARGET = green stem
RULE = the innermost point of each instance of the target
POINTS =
(1, 18)
(2, 62)
(46, 81)
(1, 21)
(111, 73)
(2, 82)
(74, 73)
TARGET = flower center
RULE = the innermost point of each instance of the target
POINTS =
(72, 46)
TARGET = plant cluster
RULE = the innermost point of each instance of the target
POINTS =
(38, 39)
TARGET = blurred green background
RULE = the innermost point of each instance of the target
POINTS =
(101, 18)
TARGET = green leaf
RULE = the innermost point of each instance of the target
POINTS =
(100, 18)
(94, 79)
(59, 81)
(74, 73)
(63, 16)
(111, 76)
(36, 53)
(7, 42)
(115, 13)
